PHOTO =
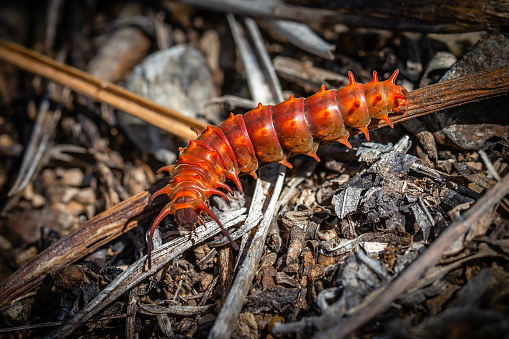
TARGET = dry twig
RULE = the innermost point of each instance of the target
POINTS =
(96, 232)
(451, 93)
(102, 91)
(114, 222)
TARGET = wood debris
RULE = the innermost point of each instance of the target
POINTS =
(404, 236)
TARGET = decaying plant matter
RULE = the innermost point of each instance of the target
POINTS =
(406, 240)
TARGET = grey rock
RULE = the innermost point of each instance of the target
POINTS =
(177, 78)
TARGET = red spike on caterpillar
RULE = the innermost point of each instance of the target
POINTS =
(270, 134)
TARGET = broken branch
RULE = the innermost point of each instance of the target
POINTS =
(99, 90)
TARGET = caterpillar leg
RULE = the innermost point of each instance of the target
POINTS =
(164, 212)
(202, 207)
(186, 212)
(190, 211)
(364, 130)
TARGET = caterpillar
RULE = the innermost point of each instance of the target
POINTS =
(269, 134)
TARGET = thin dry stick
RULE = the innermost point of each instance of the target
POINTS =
(137, 271)
(227, 318)
(102, 91)
(451, 93)
(414, 272)
(110, 224)
(96, 232)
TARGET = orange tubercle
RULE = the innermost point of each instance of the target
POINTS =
(364, 130)
(270, 134)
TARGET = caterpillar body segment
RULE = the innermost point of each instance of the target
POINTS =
(270, 133)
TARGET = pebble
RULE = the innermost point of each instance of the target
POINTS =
(327, 235)
(24, 227)
(205, 281)
(25, 256)
(18, 313)
(72, 177)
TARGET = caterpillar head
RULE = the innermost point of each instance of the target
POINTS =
(186, 216)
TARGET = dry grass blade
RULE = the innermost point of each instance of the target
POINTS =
(227, 318)
(229, 314)
(44, 126)
(102, 91)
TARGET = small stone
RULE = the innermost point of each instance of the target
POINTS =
(138, 180)
(18, 313)
(326, 260)
(205, 280)
(72, 177)
(90, 211)
(326, 235)
(86, 196)
(75, 208)
(5, 245)
(28, 192)
(5, 140)
(38, 200)
(48, 178)
(25, 256)
(189, 90)
(68, 194)
(246, 326)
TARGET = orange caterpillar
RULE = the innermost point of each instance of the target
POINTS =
(270, 134)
